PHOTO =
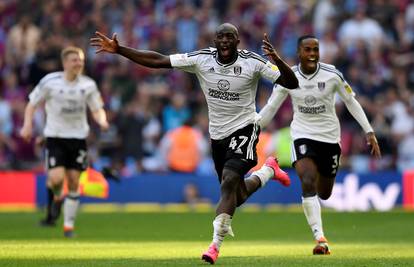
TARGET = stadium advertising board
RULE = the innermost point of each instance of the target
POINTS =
(352, 192)
(17, 189)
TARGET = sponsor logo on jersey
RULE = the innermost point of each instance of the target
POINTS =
(223, 85)
(321, 86)
(211, 70)
(229, 96)
(312, 110)
(237, 70)
(72, 110)
(72, 106)
(302, 149)
(310, 100)
(310, 86)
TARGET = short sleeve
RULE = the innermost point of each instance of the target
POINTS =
(94, 99)
(39, 93)
(186, 62)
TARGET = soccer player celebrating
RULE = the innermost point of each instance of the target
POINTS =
(228, 78)
(315, 129)
(66, 95)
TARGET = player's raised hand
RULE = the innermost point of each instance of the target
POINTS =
(268, 49)
(373, 143)
(104, 44)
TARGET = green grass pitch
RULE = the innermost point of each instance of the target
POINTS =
(177, 239)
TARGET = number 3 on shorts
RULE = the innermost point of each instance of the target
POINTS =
(335, 164)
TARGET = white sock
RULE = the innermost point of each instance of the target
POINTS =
(70, 208)
(312, 210)
(265, 173)
(222, 227)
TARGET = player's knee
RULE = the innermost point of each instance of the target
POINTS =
(55, 181)
(229, 182)
(324, 195)
(228, 185)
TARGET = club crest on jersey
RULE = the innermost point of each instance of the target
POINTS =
(223, 85)
(321, 86)
(237, 70)
(52, 161)
(310, 100)
(302, 149)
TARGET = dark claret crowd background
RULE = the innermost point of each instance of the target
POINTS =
(370, 42)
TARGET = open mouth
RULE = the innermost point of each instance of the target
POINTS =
(224, 48)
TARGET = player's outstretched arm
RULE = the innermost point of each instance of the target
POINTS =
(287, 77)
(373, 143)
(267, 113)
(145, 58)
(358, 113)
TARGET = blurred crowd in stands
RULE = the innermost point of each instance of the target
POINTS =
(370, 42)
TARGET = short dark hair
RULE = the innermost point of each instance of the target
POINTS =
(228, 26)
(304, 37)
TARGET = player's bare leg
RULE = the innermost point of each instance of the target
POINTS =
(225, 209)
(55, 177)
(53, 209)
(54, 184)
(325, 186)
(70, 207)
(246, 188)
(309, 175)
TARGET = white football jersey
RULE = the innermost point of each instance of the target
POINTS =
(314, 103)
(229, 89)
(65, 104)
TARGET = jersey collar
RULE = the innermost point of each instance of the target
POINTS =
(228, 64)
(309, 76)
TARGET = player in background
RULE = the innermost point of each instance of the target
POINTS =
(66, 95)
(315, 129)
(54, 204)
(228, 78)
